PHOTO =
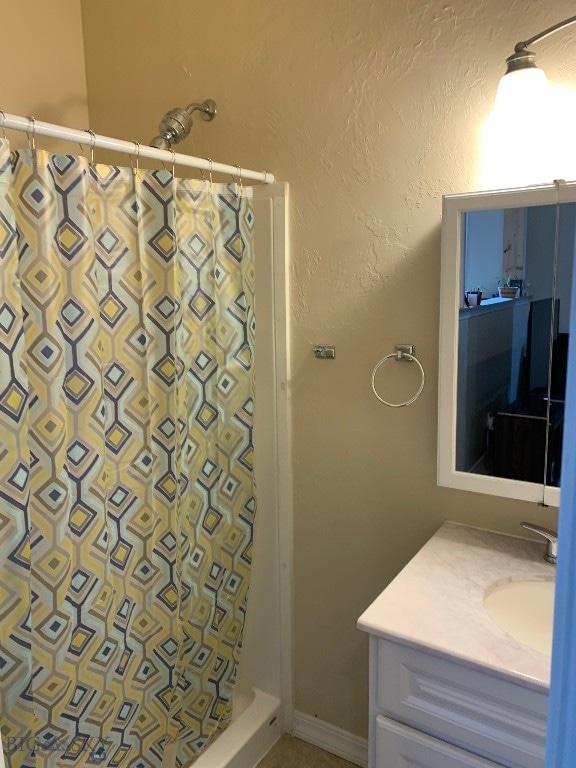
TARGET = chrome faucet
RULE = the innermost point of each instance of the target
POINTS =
(550, 536)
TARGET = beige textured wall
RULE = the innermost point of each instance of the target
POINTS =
(371, 110)
(42, 72)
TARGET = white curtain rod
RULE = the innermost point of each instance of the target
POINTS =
(38, 128)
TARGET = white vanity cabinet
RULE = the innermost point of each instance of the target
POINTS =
(427, 712)
(448, 687)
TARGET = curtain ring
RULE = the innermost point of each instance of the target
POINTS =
(173, 161)
(3, 124)
(210, 174)
(137, 168)
(239, 182)
(32, 139)
(92, 144)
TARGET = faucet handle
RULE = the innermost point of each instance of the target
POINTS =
(552, 540)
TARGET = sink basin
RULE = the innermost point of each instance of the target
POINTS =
(524, 609)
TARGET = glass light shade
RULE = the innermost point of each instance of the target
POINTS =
(521, 88)
(518, 141)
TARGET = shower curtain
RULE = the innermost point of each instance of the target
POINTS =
(127, 496)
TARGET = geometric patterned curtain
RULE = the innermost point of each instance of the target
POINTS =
(127, 497)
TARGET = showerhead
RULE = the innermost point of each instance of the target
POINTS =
(176, 123)
(160, 143)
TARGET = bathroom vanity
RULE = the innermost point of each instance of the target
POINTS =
(448, 687)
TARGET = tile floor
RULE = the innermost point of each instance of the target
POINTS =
(290, 752)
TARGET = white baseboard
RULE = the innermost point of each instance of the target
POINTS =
(332, 739)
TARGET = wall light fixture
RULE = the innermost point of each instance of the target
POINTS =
(527, 138)
(522, 74)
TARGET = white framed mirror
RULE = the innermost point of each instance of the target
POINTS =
(506, 277)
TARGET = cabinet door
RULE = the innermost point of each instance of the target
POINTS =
(398, 746)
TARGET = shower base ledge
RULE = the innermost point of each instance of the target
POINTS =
(248, 738)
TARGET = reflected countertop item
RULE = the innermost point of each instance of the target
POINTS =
(435, 603)
(493, 305)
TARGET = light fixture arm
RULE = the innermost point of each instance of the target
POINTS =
(522, 46)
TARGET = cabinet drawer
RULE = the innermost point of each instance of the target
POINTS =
(498, 720)
(400, 747)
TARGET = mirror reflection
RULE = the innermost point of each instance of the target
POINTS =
(513, 339)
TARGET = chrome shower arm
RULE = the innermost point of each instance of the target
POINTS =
(207, 109)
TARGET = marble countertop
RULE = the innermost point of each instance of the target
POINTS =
(435, 602)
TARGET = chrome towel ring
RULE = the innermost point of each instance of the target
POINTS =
(403, 353)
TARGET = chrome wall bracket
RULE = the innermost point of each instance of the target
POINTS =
(403, 350)
(325, 351)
